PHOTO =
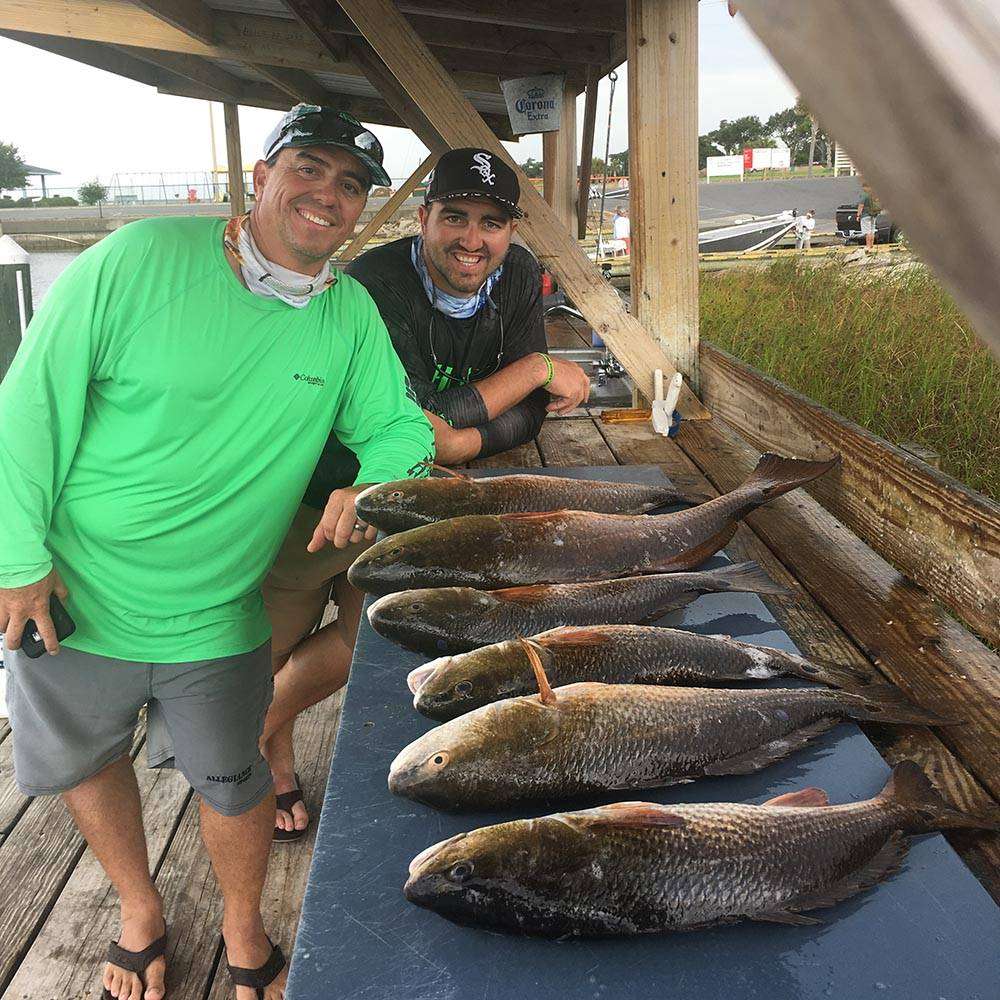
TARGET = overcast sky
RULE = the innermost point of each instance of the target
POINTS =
(85, 123)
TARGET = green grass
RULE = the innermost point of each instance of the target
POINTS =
(892, 354)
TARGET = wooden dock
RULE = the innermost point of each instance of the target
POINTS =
(57, 911)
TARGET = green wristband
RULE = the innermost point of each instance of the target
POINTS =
(552, 371)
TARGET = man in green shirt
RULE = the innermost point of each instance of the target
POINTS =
(158, 428)
(868, 213)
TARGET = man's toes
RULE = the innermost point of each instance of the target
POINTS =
(115, 984)
(134, 986)
(301, 816)
(282, 820)
(155, 987)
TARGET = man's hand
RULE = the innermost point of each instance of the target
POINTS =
(570, 386)
(18, 604)
(339, 523)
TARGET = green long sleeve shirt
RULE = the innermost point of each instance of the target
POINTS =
(158, 428)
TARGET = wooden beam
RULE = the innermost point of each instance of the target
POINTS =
(923, 126)
(936, 530)
(663, 166)
(103, 57)
(234, 159)
(935, 662)
(559, 162)
(587, 150)
(386, 212)
(458, 124)
(546, 47)
(294, 82)
(240, 38)
(190, 16)
(567, 16)
(366, 109)
(200, 71)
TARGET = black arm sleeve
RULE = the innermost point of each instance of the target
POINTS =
(460, 406)
(516, 426)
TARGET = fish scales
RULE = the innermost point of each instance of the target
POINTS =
(495, 551)
(409, 503)
(455, 619)
(590, 738)
(638, 867)
(610, 654)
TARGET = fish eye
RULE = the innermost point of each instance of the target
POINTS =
(395, 494)
(463, 687)
(417, 606)
(461, 872)
(439, 760)
(395, 552)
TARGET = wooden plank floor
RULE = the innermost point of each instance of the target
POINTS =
(57, 911)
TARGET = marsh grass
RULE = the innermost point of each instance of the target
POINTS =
(893, 354)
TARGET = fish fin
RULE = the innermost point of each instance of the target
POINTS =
(801, 799)
(573, 635)
(545, 693)
(522, 595)
(776, 475)
(838, 675)
(883, 863)
(786, 917)
(909, 787)
(629, 814)
(690, 558)
(744, 577)
(760, 757)
(884, 703)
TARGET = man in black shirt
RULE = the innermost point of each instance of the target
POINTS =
(464, 310)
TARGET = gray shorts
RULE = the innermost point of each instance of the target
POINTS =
(75, 713)
(867, 225)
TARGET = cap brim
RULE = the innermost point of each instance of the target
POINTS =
(378, 175)
(507, 206)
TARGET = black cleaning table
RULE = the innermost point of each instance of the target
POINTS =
(930, 933)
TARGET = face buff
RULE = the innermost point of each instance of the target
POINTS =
(267, 279)
(451, 305)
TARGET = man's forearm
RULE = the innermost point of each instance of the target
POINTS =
(453, 444)
(516, 381)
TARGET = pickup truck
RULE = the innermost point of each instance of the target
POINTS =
(848, 227)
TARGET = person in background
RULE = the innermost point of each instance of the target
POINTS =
(804, 226)
(464, 309)
(622, 228)
(868, 211)
(158, 427)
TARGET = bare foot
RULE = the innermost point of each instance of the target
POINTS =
(141, 926)
(250, 949)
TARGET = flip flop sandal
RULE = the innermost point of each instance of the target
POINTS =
(285, 801)
(135, 961)
(258, 979)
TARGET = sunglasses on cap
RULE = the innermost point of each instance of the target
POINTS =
(312, 125)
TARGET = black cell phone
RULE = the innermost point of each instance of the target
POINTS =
(31, 641)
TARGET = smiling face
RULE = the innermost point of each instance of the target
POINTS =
(308, 203)
(465, 241)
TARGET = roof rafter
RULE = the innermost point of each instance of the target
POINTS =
(567, 16)
(190, 16)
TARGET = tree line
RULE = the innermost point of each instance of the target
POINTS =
(796, 127)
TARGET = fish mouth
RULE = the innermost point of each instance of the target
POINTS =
(417, 678)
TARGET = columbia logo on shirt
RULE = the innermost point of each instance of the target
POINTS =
(309, 379)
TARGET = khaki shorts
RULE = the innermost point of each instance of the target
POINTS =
(297, 589)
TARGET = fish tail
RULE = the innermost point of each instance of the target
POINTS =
(744, 577)
(911, 789)
(776, 475)
(883, 703)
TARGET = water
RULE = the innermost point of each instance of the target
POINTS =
(45, 268)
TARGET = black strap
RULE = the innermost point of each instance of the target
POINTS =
(259, 978)
(136, 961)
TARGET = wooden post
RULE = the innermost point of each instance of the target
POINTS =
(587, 150)
(389, 208)
(15, 299)
(234, 157)
(457, 122)
(559, 162)
(663, 173)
